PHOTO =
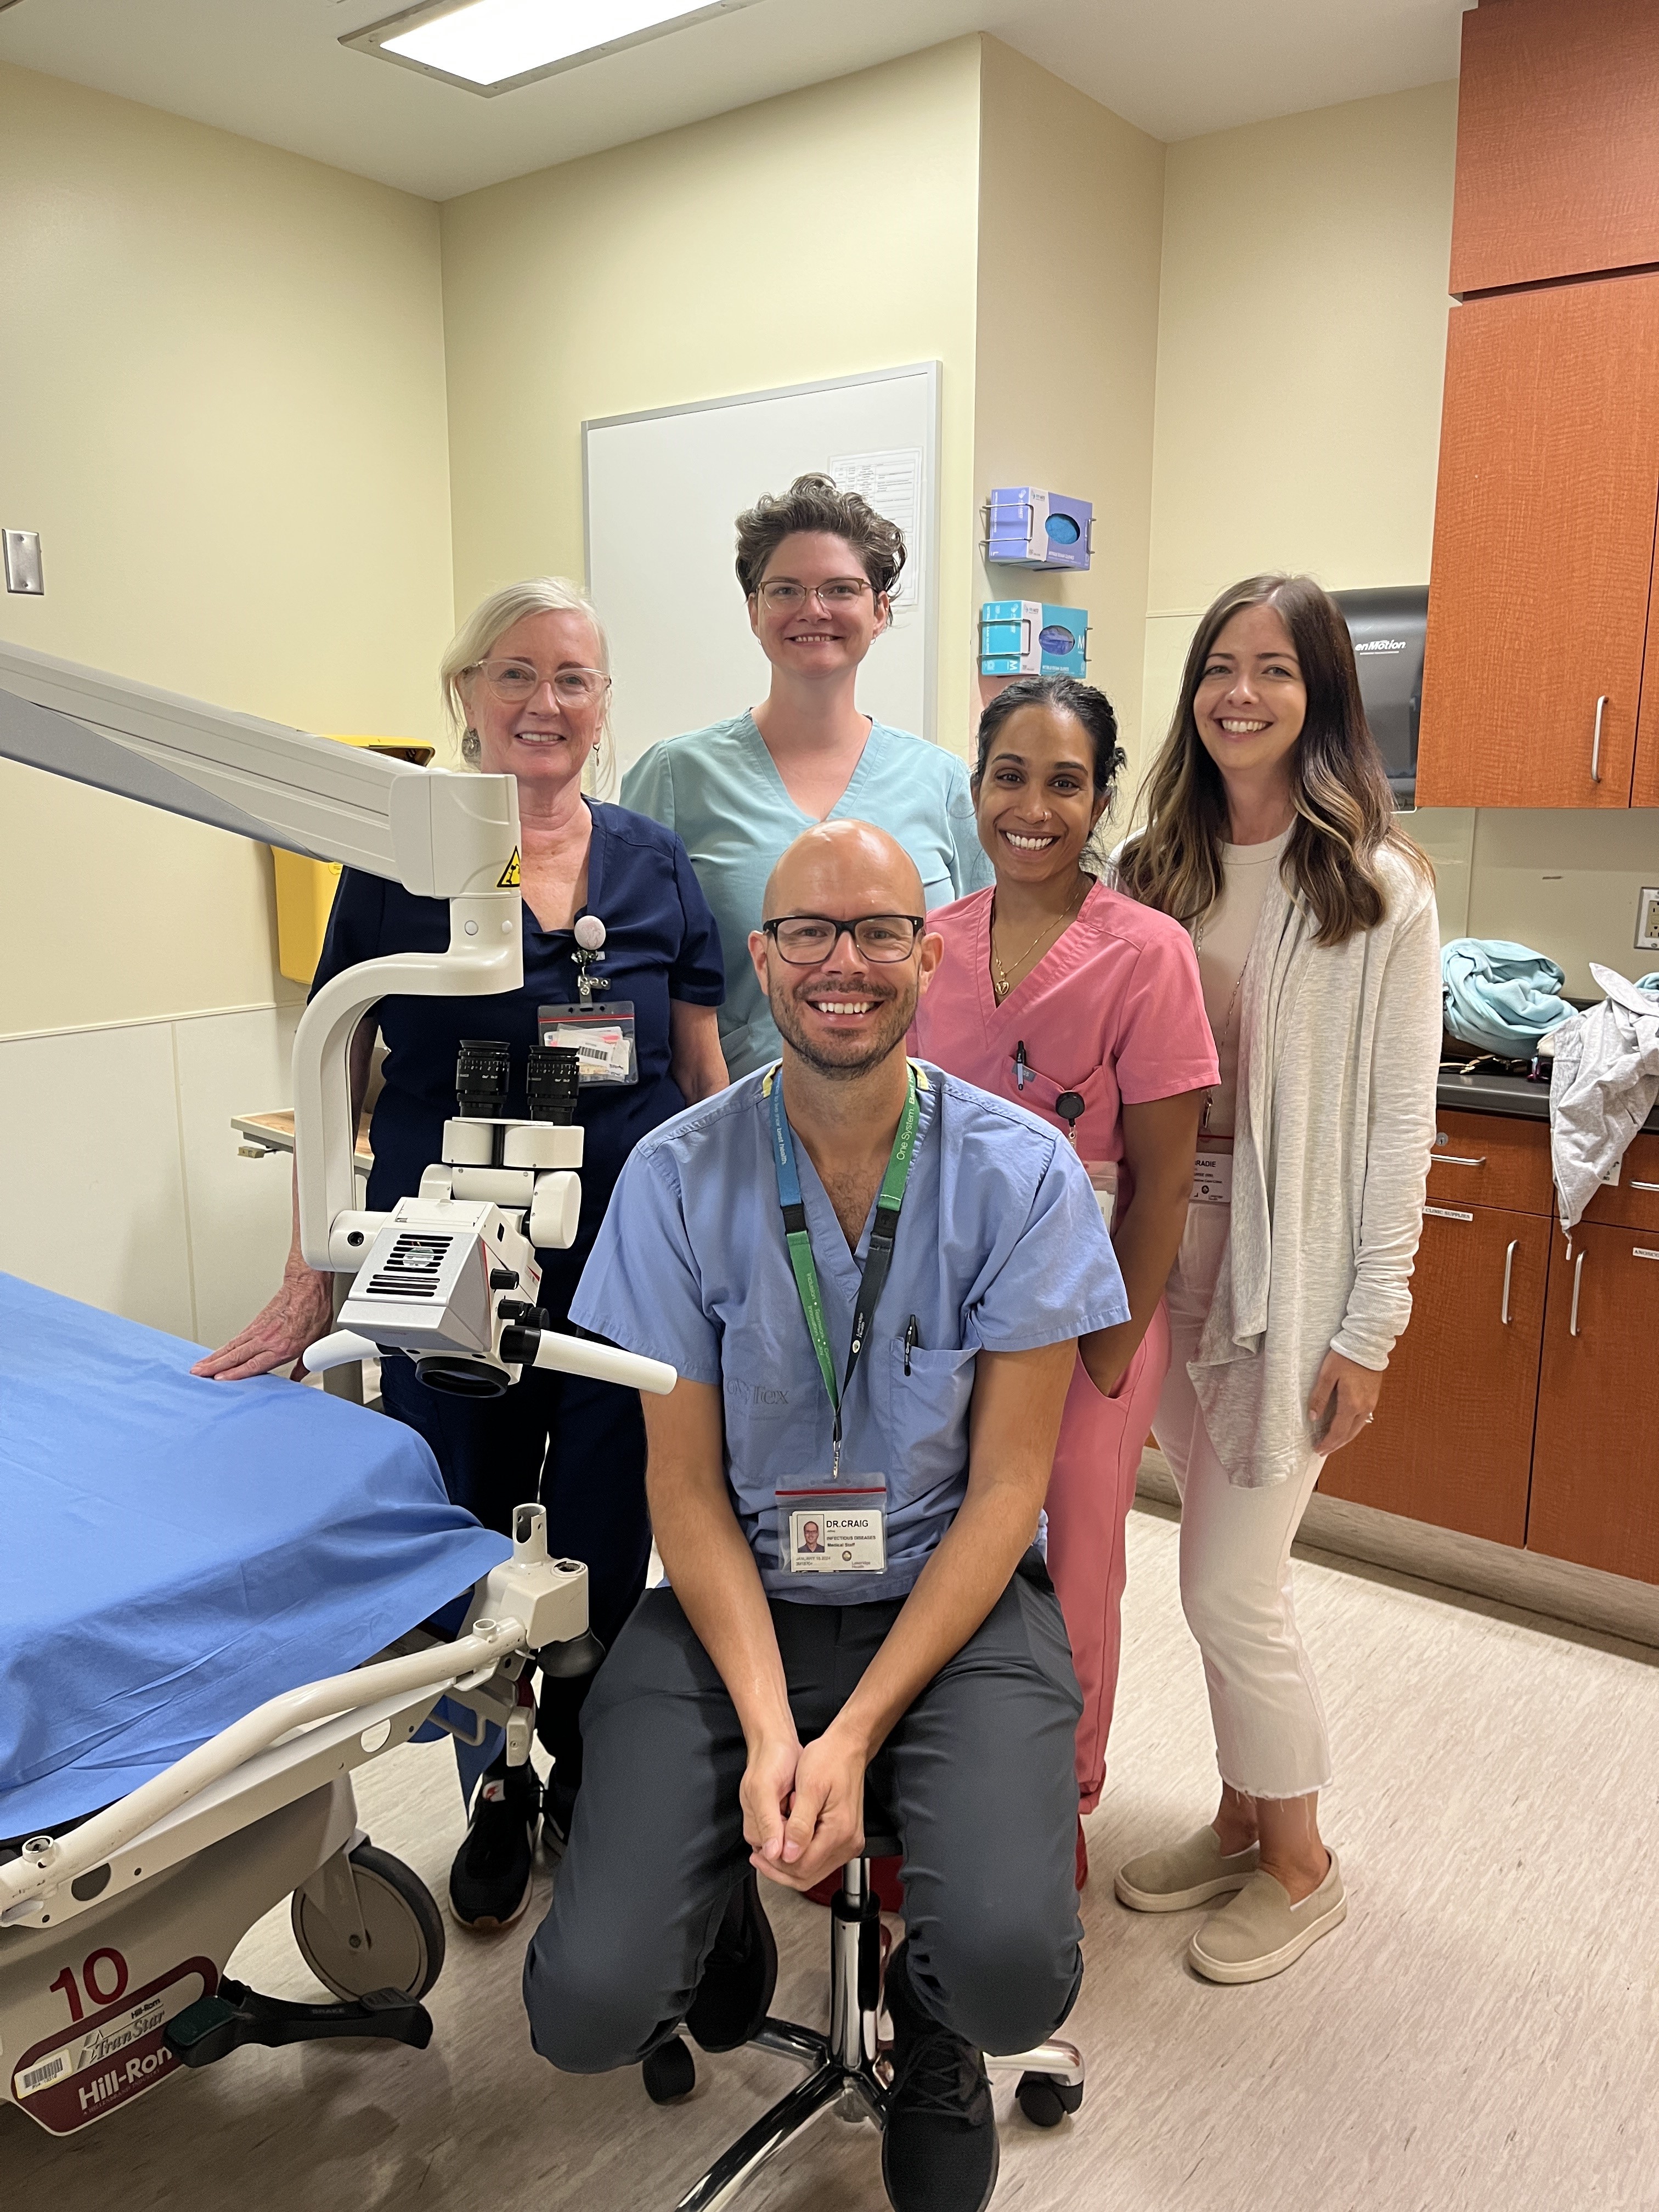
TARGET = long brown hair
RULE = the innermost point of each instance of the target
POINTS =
(1343, 808)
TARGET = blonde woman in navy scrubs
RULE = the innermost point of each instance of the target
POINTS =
(819, 568)
(527, 678)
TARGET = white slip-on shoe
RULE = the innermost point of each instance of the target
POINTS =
(1189, 1872)
(1261, 1932)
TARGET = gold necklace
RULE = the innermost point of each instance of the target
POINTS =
(1001, 981)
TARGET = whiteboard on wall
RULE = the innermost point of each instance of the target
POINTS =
(661, 490)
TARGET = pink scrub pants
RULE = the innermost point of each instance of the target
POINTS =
(1090, 1493)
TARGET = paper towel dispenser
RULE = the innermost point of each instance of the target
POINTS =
(1387, 626)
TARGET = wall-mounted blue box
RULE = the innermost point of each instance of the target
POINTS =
(1032, 529)
(1024, 637)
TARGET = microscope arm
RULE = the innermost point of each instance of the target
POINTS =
(441, 835)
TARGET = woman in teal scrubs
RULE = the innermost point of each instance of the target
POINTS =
(818, 568)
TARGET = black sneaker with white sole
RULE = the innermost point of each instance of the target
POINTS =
(939, 2152)
(490, 1879)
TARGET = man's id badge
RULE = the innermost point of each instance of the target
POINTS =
(1212, 1179)
(835, 1528)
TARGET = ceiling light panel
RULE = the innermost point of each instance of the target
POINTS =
(493, 45)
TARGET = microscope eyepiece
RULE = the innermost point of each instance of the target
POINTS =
(552, 1079)
(482, 1071)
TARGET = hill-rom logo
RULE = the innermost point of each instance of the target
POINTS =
(1381, 645)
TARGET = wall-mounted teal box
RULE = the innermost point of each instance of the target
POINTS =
(1023, 637)
(1031, 529)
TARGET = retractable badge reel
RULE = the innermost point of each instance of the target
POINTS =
(601, 1037)
(1103, 1174)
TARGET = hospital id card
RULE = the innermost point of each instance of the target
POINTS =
(835, 1528)
(1212, 1179)
(602, 1038)
(1102, 1181)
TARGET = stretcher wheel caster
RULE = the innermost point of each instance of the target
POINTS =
(1046, 2101)
(402, 1944)
(670, 2071)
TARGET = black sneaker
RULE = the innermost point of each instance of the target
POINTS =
(735, 1993)
(557, 1807)
(939, 2152)
(490, 1879)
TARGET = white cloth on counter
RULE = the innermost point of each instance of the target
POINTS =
(1340, 1053)
(1602, 1086)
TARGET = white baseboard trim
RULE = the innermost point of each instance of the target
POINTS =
(1341, 1532)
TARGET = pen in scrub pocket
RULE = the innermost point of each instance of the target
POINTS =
(912, 1340)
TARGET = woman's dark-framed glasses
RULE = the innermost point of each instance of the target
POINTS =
(805, 939)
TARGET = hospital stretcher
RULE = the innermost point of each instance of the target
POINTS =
(175, 1548)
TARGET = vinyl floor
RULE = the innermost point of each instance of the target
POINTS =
(1482, 2035)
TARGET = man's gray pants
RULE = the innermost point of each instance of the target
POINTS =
(976, 1779)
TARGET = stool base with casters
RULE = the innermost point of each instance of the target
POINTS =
(849, 2074)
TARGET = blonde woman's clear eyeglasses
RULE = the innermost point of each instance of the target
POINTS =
(514, 682)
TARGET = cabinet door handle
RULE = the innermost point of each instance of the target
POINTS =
(1453, 1160)
(1595, 748)
(1643, 1186)
(1573, 1318)
(1508, 1269)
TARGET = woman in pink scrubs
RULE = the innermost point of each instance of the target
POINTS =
(1084, 1007)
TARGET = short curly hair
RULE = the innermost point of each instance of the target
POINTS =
(816, 502)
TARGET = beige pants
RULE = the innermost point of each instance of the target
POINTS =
(1270, 1738)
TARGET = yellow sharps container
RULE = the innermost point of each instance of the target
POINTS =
(305, 889)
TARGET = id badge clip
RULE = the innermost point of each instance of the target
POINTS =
(834, 1527)
(1212, 1179)
(602, 1038)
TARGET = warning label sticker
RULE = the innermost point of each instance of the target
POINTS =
(77, 2076)
(508, 879)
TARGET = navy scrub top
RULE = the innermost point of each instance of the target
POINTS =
(661, 943)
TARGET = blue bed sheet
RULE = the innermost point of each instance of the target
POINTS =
(173, 1552)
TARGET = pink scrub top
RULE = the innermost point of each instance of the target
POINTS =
(1113, 1011)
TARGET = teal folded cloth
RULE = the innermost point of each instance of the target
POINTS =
(1500, 998)
(1647, 982)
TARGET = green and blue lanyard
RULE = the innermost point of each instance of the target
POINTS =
(877, 1261)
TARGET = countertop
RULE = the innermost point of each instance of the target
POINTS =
(1487, 1092)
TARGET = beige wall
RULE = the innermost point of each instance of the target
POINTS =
(224, 412)
(1068, 341)
(814, 235)
(1301, 339)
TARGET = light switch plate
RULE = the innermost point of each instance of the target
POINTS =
(23, 562)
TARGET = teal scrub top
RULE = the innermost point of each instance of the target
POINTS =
(718, 789)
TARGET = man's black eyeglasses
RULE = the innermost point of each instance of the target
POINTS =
(805, 939)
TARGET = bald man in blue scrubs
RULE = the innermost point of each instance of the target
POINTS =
(871, 1277)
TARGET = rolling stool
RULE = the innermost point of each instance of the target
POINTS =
(846, 2069)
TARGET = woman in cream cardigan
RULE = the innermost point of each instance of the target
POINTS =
(1269, 834)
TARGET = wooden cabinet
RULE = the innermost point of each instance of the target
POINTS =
(1543, 565)
(1558, 142)
(1596, 1458)
(1488, 1160)
(1633, 1201)
(1452, 1440)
